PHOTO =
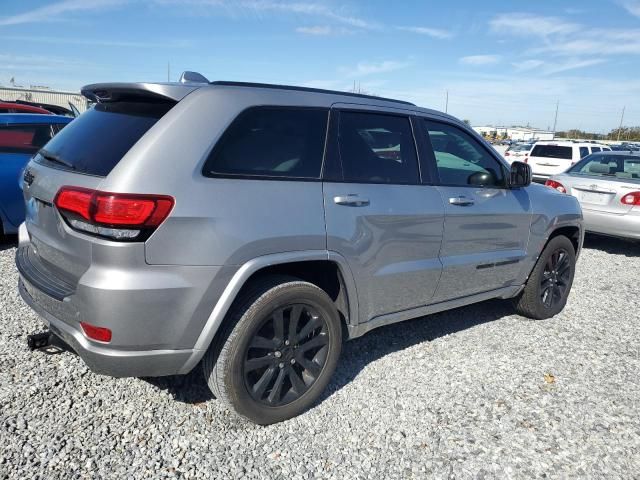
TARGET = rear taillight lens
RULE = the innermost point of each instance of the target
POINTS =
(555, 185)
(632, 199)
(119, 216)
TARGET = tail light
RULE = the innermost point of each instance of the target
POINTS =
(506, 154)
(632, 199)
(118, 216)
(555, 185)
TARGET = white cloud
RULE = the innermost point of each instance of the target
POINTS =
(316, 30)
(178, 43)
(526, 24)
(527, 65)
(572, 65)
(371, 68)
(632, 6)
(430, 32)
(480, 59)
(55, 10)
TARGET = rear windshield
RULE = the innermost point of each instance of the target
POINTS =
(552, 151)
(97, 140)
(520, 148)
(618, 166)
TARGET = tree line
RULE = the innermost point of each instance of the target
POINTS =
(622, 134)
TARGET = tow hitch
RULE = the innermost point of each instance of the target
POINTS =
(46, 342)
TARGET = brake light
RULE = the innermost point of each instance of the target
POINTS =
(120, 216)
(506, 154)
(632, 199)
(101, 334)
(555, 185)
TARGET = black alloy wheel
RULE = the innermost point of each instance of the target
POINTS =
(286, 355)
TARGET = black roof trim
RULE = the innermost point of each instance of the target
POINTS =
(307, 89)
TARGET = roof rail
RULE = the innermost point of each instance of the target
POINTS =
(307, 89)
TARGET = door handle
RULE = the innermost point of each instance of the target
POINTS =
(461, 201)
(351, 200)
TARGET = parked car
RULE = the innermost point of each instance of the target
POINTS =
(551, 157)
(607, 185)
(21, 136)
(72, 111)
(250, 228)
(12, 107)
(518, 151)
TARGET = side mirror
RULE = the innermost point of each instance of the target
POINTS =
(520, 175)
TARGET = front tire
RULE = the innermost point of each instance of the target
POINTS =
(549, 284)
(278, 351)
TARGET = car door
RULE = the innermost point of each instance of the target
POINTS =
(379, 217)
(486, 224)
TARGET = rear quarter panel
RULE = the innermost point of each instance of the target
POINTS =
(218, 221)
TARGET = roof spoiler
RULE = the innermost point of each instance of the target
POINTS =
(114, 92)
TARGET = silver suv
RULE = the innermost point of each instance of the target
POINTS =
(250, 228)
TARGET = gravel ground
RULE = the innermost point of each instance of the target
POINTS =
(473, 393)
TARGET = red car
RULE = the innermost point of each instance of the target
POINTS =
(10, 107)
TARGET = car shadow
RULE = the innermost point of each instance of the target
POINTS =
(612, 245)
(8, 241)
(360, 352)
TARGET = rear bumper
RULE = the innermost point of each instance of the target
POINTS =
(101, 359)
(627, 226)
(156, 312)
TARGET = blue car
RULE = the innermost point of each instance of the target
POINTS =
(21, 136)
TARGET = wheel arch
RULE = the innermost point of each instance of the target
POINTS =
(327, 270)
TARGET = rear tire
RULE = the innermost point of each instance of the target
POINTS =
(549, 284)
(277, 352)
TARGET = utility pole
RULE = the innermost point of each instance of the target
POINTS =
(446, 103)
(555, 120)
(621, 119)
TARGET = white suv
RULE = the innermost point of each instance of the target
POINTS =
(552, 157)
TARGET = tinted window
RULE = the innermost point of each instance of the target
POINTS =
(584, 151)
(97, 140)
(461, 159)
(24, 138)
(272, 142)
(595, 149)
(552, 151)
(377, 148)
(619, 166)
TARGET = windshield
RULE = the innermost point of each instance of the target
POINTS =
(97, 140)
(617, 166)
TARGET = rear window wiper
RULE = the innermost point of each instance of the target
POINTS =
(52, 157)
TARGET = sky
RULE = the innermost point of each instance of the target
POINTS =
(501, 62)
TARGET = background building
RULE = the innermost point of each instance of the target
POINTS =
(514, 133)
(44, 95)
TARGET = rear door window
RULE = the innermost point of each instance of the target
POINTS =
(595, 149)
(552, 151)
(97, 140)
(272, 142)
(24, 138)
(584, 151)
(377, 148)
